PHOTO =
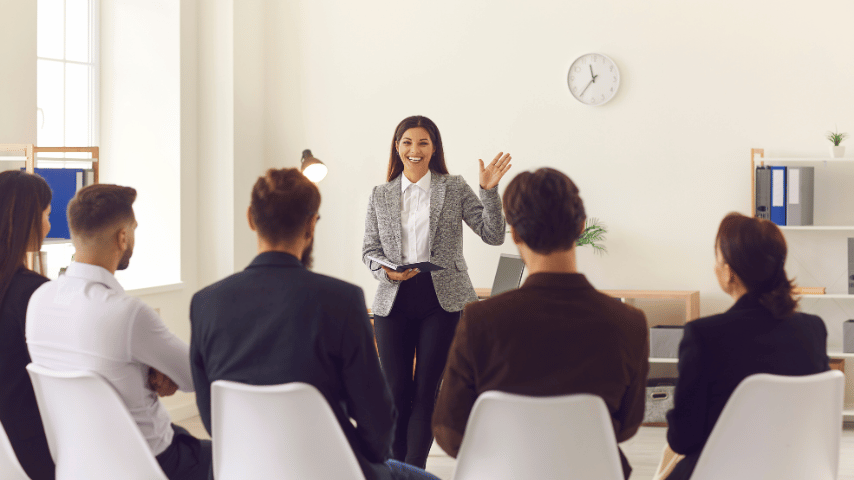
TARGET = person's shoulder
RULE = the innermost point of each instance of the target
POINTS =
(499, 306)
(27, 280)
(333, 286)
(615, 309)
(447, 178)
(808, 320)
(222, 285)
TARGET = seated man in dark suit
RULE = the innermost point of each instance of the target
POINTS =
(555, 335)
(277, 322)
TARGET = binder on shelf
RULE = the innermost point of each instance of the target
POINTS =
(64, 183)
(848, 336)
(799, 202)
(778, 195)
(851, 266)
(763, 193)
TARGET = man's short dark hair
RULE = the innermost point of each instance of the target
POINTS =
(544, 209)
(283, 201)
(97, 207)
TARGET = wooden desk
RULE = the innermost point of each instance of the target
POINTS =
(691, 298)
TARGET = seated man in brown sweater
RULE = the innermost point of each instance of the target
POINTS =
(556, 334)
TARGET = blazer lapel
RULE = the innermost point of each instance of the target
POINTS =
(392, 198)
(437, 200)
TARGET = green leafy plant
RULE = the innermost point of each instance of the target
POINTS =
(836, 138)
(593, 234)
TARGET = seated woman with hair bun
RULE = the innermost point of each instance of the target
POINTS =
(761, 333)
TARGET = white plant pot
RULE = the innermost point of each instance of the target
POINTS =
(837, 152)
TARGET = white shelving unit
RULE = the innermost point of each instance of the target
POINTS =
(757, 158)
(819, 228)
(33, 155)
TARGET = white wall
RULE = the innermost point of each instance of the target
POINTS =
(18, 78)
(141, 128)
(661, 164)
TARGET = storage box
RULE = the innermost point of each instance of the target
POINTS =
(664, 341)
(848, 336)
(659, 400)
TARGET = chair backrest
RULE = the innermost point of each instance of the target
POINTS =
(509, 436)
(10, 467)
(777, 427)
(508, 275)
(277, 431)
(89, 431)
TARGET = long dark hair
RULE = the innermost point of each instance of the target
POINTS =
(437, 162)
(755, 250)
(23, 199)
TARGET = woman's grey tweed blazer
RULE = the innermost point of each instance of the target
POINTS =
(452, 201)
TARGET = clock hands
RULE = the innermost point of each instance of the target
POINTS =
(592, 80)
(585, 88)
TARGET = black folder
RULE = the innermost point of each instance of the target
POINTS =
(422, 266)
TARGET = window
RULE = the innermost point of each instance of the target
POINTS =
(67, 74)
(66, 91)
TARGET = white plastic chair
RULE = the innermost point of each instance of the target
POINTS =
(89, 431)
(777, 427)
(10, 467)
(277, 431)
(508, 436)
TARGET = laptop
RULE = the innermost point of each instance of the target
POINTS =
(508, 276)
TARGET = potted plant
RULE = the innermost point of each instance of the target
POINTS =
(594, 232)
(837, 151)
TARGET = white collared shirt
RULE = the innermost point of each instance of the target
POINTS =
(415, 219)
(84, 320)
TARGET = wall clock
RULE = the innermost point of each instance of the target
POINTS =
(593, 79)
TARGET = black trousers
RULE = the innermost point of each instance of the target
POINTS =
(416, 328)
(187, 458)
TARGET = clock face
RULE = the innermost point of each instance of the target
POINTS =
(593, 79)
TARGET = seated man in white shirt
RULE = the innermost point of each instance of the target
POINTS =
(125, 341)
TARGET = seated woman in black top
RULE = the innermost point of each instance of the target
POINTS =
(24, 210)
(761, 333)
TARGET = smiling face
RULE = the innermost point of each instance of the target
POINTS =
(415, 149)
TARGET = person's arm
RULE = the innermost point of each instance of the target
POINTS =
(372, 245)
(484, 216)
(154, 345)
(368, 397)
(197, 365)
(630, 413)
(457, 394)
(686, 422)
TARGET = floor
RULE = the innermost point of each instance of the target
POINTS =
(643, 451)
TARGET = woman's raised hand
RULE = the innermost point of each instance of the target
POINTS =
(492, 173)
(401, 276)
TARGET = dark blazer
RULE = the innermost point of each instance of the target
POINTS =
(19, 412)
(720, 351)
(555, 335)
(277, 322)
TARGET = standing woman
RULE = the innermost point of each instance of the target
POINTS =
(416, 217)
(24, 210)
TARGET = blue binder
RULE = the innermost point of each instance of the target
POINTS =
(778, 195)
(64, 183)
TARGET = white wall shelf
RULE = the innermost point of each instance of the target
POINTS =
(840, 355)
(665, 360)
(818, 227)
(757, 157)
(805, 160)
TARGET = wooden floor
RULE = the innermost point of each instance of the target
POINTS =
(643, 451)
